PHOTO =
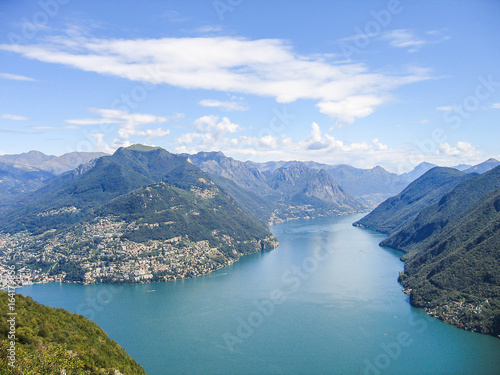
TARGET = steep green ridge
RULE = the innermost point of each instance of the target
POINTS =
(111, 176)
(202, 213)
(50, 340)
(420, 231)
(394, 213)
(452, 246)
(456, 277)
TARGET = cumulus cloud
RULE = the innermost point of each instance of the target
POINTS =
(211, 134)
(127, 125)
(215, 134)
(264, 67)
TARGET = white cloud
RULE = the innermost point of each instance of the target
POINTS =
(224, 106)
(445, 108)
(351, 108)
(15, 77)
(319, 146)
(403, 38)
(211, 134)
(9, 116)
(128, 125)
(265, 67)
(495, 106)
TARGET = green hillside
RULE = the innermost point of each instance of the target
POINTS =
(394, 213)
(139, 215)
(420, 232)
(202, 213)
(457, 276)
(54, 341)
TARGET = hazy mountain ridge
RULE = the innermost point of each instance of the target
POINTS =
(290, 191)
(433, 218)
(394, 213)
(24, 173)
(50, 163)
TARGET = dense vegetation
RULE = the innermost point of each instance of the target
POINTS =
(457, 275)
(419, 232)
(393, 214)
(202, 213)
(106, 188)
(54, 341)
(452, 248)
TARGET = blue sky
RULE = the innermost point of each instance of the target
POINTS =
(390, 83)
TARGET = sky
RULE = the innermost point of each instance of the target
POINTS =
(390, 83)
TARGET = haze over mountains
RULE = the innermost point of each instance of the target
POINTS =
(144, 214)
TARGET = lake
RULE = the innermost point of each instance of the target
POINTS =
(326, 301)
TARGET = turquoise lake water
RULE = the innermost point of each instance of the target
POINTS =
(326, 301)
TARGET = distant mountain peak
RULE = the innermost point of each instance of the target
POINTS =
(140, 147)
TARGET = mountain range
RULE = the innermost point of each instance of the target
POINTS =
(139, 202)
(448, 224)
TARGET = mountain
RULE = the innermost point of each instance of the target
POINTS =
(27, 172)
(16, 180)
(97, 222)
(300, 185)
(456, 276)
(462, 167)
(54, 341)
(420, 231)
(32, 158)
(394, 213)
(289, 191)
(369, 186)
(448, 224)
(50, 163)
(418, 171)
(484, 166)
(217, 164)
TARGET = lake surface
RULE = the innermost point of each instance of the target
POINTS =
(326, 301)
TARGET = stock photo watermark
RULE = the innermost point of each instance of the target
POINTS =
(221, 7)
(97, 303)
(10, 283)
(263, 309)
(391, 351)
(372, 29)
(38, 21)
(454, 116)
